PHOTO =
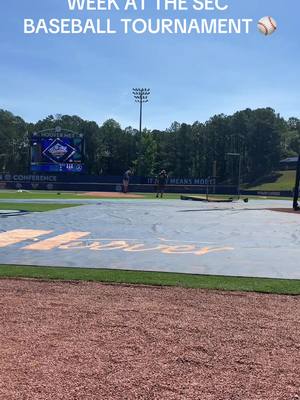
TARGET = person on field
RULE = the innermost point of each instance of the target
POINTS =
(161, 182)
(126, 178)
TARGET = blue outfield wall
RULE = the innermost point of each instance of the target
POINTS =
(273, 193)
(72, 182)
(96, 179)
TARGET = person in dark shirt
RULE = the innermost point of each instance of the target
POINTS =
(161, 182)
(126, 178)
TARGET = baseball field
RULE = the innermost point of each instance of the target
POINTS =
(106, 297)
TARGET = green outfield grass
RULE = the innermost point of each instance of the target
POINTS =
(34, 207)
(41, 195)
(37, 195)
(274, 286)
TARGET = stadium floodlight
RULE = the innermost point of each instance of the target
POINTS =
(240, 169)
(141, 96)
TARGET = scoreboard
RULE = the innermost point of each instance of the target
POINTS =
(57, 150)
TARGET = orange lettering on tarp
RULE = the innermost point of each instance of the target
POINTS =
(71, 240)
(56, 241)
(207, 250)
(185, 249)
(142, 248)
(19, 235)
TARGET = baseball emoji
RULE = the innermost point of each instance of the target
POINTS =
(267, 25)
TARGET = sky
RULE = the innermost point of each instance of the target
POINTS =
(191, 77)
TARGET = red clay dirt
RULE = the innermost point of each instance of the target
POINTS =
(112, 195)
(285, 210)
(89, 341)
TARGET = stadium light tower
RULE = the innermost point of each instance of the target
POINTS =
(141, 96)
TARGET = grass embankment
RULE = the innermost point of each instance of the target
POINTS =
(281, 180)
(262, 285)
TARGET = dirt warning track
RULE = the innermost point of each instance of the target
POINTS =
(91, 341)
(112, 195)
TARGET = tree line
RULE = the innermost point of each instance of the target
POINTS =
(261, 136)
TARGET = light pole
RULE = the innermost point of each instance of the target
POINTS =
(141, 96)
(4, 162)
(240, 168)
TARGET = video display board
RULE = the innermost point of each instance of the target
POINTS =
(57, 150)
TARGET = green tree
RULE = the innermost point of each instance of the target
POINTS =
(14, 146)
